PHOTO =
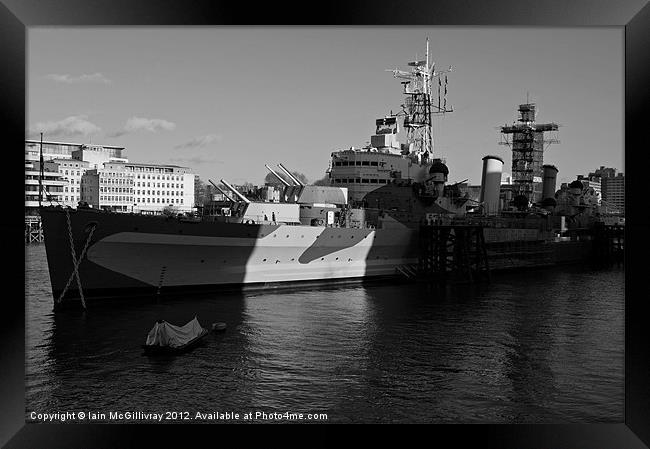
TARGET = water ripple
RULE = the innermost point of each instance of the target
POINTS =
(536, 347)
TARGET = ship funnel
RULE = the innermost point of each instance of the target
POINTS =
(277, 176)
(293, 178)
(241, 197)
(548, 184)
(491, 184)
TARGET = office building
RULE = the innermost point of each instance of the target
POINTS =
(52, 184)
(612, 188)
(72, 160)
(139, 188)
(614, 192)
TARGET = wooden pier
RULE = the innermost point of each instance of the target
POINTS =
(608, 245)
(33, 229)
(458, 253)
(452, 253)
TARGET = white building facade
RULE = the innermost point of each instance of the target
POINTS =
(109, 188)
(101, 176)
(162, 186)
(139, 188)
(71, 171)
(52, 183)
(73, 160)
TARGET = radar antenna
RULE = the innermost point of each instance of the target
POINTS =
(418, 108)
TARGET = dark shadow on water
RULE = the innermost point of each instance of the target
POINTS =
(505, 351)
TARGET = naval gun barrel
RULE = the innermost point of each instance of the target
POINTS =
(293, 178)
(222, 191)
(277, 176)
(242, 197)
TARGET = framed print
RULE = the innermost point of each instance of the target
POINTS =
(374, 214)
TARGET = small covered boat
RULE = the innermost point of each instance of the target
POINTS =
(165, 338)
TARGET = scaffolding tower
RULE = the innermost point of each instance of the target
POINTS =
(528, 144)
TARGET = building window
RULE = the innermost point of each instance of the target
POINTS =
(365, 163)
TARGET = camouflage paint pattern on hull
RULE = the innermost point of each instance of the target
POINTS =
(133, 252)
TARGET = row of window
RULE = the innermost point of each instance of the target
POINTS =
(48, 188)
(163, 178)
(160, 200)
(72, 189)
(360, 181)
(159, 192)
(150, 169)
(158, 184)
(116, 181)
(112, 174)
(35, 197)
(357, 163)
(112, 198)
(45, 178)
(129, 199)
(116, 189)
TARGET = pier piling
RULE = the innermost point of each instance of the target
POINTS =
(453, 253)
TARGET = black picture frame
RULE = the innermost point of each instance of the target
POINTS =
(633, 15)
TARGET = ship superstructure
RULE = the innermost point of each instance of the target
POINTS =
(385, 159)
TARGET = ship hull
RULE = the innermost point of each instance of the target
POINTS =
(133, 255)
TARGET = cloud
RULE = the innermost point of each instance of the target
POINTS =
(195, 161)
(199, 142)
(83, 78)
(75, 125)
(146, 124)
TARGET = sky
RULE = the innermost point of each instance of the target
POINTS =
(224, 101)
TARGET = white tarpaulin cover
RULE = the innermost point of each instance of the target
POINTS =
(165, 334)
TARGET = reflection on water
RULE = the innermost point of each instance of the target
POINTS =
(544, 346)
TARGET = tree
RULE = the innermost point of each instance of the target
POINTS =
(271, 179)
(199, 191)
(324, 181)
(203, 192)
(170, 211)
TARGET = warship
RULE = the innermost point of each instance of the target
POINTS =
(364, 225)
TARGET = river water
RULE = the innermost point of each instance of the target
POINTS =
(541, 346)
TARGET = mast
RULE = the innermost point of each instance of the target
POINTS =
(418, 108)
(40, 176)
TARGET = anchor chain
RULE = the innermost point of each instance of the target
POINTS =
(76, 262)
